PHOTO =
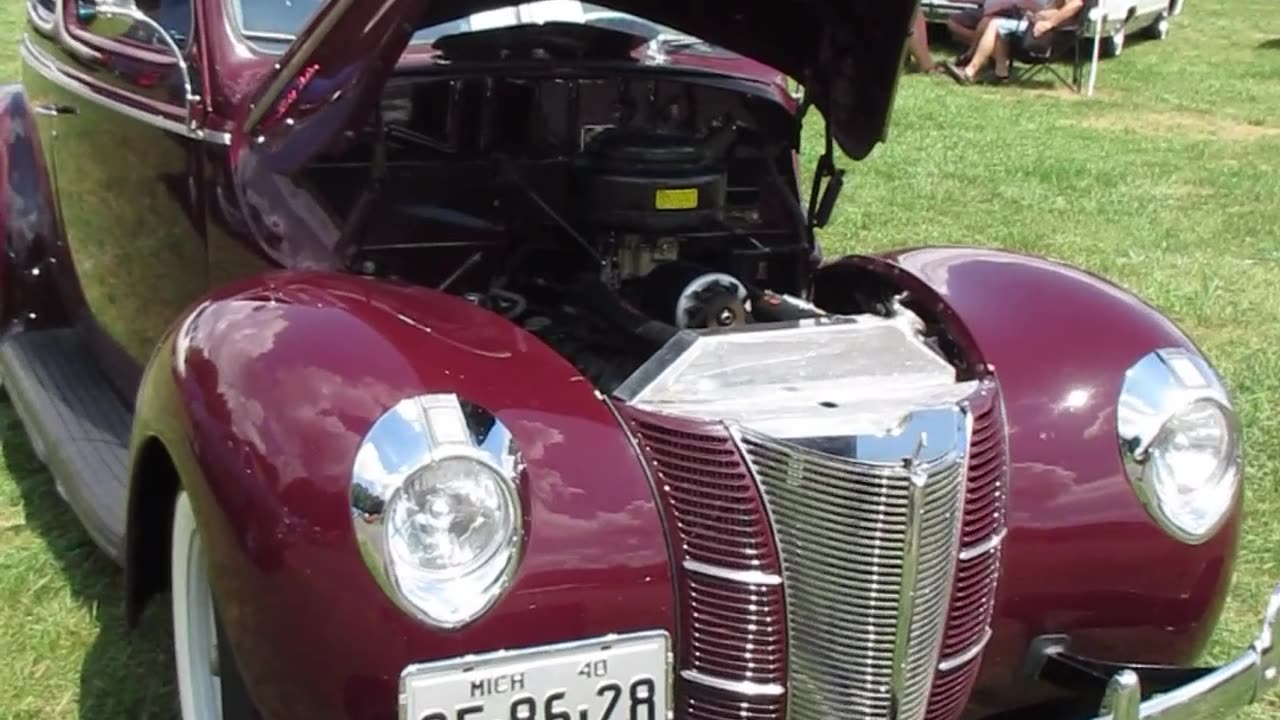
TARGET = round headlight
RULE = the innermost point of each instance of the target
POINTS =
(451, 517)
(436, 508)
(1181, 443)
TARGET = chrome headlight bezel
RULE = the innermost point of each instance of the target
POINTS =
(1157, 389)
(415, 435)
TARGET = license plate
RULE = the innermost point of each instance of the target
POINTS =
(622, 677)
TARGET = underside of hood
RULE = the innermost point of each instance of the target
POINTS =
(847, 53)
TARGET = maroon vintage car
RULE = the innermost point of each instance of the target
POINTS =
(450, 361)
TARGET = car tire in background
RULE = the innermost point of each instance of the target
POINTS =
(1159, 30)
(209, 684)
(1113, 44)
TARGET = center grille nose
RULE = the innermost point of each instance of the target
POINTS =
(791, 577)
(868, 558)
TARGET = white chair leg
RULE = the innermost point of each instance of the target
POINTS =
(1099, 17)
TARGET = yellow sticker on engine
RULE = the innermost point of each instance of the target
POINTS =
(677, 199)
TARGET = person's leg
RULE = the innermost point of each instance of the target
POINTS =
(1002, 57)
(984, 49)
(978, 31)
(919, 44)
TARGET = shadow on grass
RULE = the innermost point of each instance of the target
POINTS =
(125, 674)
(1272, 44)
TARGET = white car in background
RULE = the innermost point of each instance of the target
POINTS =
(1119, 18)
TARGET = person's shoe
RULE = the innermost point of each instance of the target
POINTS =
(958, 73)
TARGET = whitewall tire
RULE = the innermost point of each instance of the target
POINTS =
(1113, 44)
(1159, 30)
(195, 630)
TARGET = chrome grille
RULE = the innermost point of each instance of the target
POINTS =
(868, 559)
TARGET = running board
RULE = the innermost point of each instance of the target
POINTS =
(77, 425)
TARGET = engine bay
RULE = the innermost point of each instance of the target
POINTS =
(604, 205)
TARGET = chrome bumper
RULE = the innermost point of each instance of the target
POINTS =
(1236, 684)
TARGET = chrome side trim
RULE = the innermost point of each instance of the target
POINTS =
(742, 577)
(984, 547)
(217, 137)
(737, 687)
(40, 61)
(947, 664)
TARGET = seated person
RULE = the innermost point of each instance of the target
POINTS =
(996, 33)
(963, 25)
(967, 25)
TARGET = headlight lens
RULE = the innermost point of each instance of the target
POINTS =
(1190, 467)
(436, 508)
(1181, 443)
(451, 517)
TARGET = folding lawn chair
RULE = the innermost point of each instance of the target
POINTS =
(1065, 41)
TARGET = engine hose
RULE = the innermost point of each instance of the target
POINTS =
(591, 296)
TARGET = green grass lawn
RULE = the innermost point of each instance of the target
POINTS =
(1168, 181)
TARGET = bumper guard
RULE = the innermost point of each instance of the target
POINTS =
(1171, 693)
(1240, 682)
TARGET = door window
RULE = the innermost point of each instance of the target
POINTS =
(175, 16)
(134, 55)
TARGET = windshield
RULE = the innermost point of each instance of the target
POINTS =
(276, 22)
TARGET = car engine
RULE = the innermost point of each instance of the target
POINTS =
(604, 208)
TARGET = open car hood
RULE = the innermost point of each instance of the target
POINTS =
(847, 53)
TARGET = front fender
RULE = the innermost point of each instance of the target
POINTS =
(1082, 556)
(262, 396)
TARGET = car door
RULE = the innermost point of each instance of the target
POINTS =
(127, 167)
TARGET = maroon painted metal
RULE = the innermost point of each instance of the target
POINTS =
(1082, 556)
(263, 394)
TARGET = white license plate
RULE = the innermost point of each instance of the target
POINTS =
(620, 677)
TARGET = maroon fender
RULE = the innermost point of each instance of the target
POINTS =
(1082, 557)
(260, 398)
(33, 256)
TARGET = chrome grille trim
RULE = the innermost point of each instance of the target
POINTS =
(737, 687)
(742, 577)
(868, 551)
(984, 547)
(947, 664)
